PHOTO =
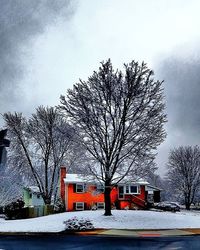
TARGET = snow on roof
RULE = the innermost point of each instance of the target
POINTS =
(152, 188)
(33, 189)
(130, 179)
(140, 181)
(78, 178)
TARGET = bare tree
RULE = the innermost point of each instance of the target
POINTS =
(119, 118)
(40, 145)
(155, 179)
(10, 186)
(184, 172)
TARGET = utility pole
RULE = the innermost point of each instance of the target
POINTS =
(3, 144)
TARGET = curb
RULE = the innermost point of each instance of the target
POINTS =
(143, 232)
(115, 233)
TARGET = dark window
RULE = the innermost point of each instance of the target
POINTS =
(79, 188)
(127, 189)
(134, 189)
(79, 205)
(100, 205)
(38, 196)
(30, 195)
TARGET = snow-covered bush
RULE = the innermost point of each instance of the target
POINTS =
(75, 224)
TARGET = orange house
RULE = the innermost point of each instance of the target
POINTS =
(80, 193)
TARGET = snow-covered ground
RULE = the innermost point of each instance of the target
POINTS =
(121, 219)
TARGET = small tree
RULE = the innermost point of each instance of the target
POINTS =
(184, 172)
(40, 145)
(119, 118)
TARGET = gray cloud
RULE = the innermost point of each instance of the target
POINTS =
(182, 86)
(182, 91)
(20, 22)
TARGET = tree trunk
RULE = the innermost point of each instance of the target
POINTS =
(47, 199)
(107, 200)
(187, 202)
(187, 206)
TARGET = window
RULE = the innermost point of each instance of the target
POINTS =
(100, 205)
(131, 189)
(134, 189)
(30, 195)
(79, 206)
(38, 196)
(79, 188)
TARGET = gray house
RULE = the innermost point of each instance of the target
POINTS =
(32, 196)
(33, 200)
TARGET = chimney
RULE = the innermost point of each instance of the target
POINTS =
(62, 184)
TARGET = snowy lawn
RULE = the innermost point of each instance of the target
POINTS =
(121, 219)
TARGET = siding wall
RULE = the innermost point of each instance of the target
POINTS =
(90, 198)
(37, 201)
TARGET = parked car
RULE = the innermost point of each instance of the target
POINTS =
(168, 206)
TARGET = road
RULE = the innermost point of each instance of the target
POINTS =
(72, 242)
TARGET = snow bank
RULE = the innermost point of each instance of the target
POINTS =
(121, 219)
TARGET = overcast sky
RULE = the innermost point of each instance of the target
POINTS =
(46, 46)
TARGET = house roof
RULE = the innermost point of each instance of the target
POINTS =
(130, 179)
(78, 178)
(152, 188)
(33, 189)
